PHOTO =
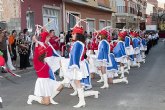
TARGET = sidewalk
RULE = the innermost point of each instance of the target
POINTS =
(24, 71)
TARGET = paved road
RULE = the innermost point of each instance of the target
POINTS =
(145, 91)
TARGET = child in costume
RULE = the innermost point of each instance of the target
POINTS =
(78, 72)
(103, 57)
(46, 88)
(119, 52)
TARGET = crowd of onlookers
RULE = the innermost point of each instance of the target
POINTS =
(14, 45)
(18, 47)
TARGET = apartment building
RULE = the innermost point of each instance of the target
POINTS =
(98, 13)
(130, 13)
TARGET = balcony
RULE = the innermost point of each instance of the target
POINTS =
(133, 11)
(154, 16)
(121, 9)
(139, 13)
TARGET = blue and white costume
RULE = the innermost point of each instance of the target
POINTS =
(76, 54)
(73, 68)
(136, 45)
(144, 44)
(119, 52)
(112, 70)
(92, 62)
(86, 81)
(103, 53)
(128, 47)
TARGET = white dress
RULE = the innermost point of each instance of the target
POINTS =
(9, 62)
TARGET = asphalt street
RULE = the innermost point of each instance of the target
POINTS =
(145, 91)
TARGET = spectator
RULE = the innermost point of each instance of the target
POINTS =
(23, 51)
(54, 40)
(68, 36)
(3, 44)
(28, 40)
(12, 46)
(62, 40)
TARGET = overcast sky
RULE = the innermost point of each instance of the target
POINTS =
(163, 1)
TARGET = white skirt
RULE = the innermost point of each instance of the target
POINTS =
(64, 67)
(112, 74)
(122, 59)
(129, 50)
(44, 87)
(78, 74)
(136, 51)
(9, 62)
(92, 64)
(143, 48)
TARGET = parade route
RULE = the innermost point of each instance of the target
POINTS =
(145, 91)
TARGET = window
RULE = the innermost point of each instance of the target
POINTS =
(85, 0)
(30, 21)
(91, 25)
(72, 20)
(109, 23)
(51, 17)
(102, 24)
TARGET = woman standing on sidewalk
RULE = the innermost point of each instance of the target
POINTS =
(12, 46)
(23, 51)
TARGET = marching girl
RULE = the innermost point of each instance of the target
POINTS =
(136, 47)
(140, 55)
(76, 67)
(144, 46)
(128, 49)
(119, 52)
(91, 53)
(45, 88)
(112, 71)
(103, 57)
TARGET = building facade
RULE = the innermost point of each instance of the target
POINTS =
(10, 14)
(98, 13)
(152, 12)
(41, 12)
(130, 14)
(60, 14)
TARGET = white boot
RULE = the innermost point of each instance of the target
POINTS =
(65, 81)
(116, 74)
(143, 55)
(54, 95)
(74, 88)
(91, 93)
(1, 103)
(138, 64)
(125, 80)
(143, 60)
(126, 71)
(115, 81)
(105, 82)
(81, 98)
(129, 64)
(122, 72)
(34, 98)
(101, 80)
